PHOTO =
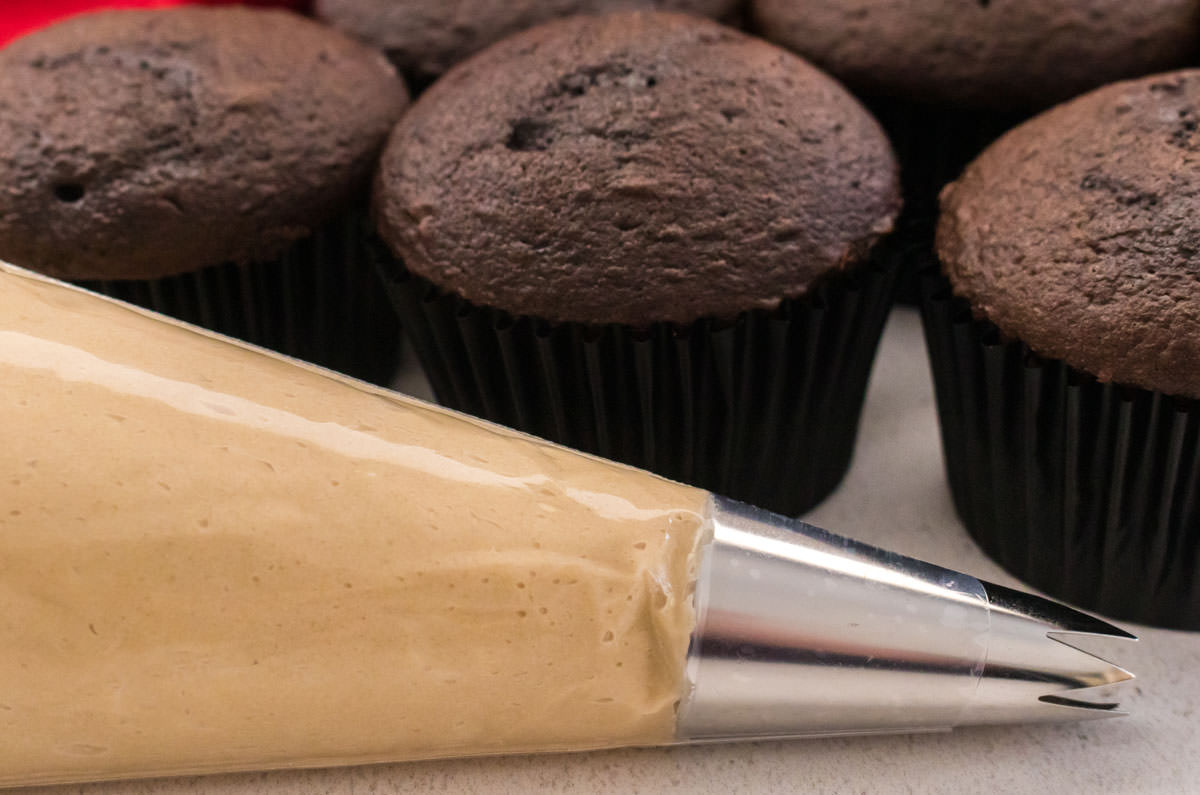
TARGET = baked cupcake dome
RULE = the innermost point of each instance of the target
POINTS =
(647, 236)
(140, 144)
(999, 54)
(426, 37)
(1079, 234)
(634, 168)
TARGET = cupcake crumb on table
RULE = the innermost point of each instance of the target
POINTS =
(180, 155)
(668, 213)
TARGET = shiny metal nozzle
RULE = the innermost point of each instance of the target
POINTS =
(804, 633)
(1066, 679)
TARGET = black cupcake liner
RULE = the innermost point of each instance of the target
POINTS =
(1085, 490)
(321, 301)
(764, 408)
(933, 145)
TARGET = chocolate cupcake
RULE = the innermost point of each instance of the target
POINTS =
(426, 37)
(205, 162)
(1068, 368)
(1002, 54)
(647, 236)
(946, 77)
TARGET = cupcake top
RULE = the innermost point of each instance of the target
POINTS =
(139, 144)
(1079, 233)
(427, 37)
(1002, 54)
(634, 168)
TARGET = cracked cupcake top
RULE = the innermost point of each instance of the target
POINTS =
(1078, 233)
(634, 168)
(139, 144)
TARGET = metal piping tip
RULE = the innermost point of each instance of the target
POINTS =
(1033, 657)
(801, 633)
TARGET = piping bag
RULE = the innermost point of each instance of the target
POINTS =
(213, 558)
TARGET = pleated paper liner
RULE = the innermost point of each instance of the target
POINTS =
(763, 408)
(321, 301)
(933, 145)
(1085, 490)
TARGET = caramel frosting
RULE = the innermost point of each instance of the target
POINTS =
(213, 558)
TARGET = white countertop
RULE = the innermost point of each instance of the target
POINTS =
(895, 496)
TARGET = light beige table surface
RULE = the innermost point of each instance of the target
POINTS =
(894, 496)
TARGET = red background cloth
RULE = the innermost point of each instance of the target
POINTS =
(21, 16)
